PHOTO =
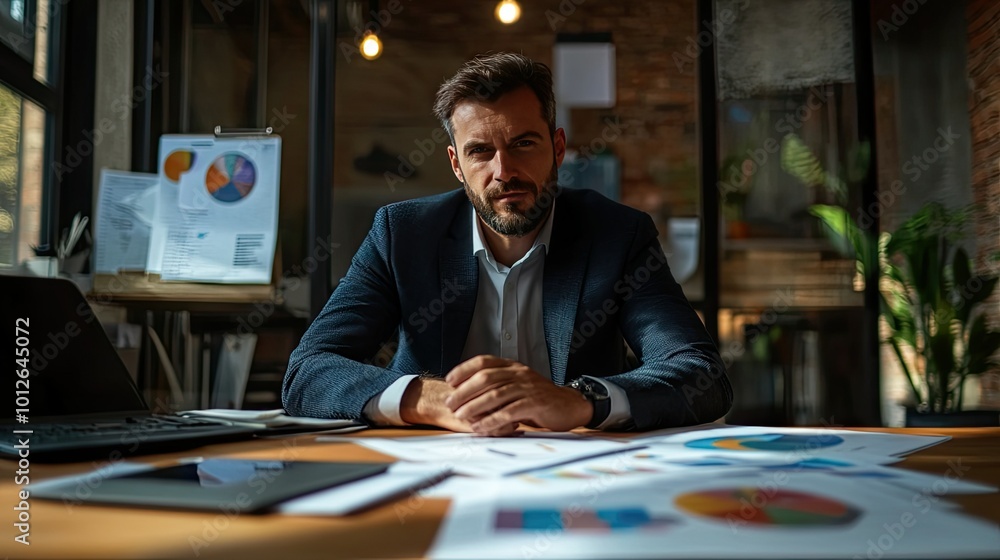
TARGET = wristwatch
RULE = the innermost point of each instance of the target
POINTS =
(597, 394)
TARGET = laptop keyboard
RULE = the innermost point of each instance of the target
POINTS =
(127, 426)
(139, 435)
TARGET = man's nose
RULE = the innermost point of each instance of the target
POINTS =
(504, 168)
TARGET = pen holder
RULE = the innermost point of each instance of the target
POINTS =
(74, 264)
(46, 267)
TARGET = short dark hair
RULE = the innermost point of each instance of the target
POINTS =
(487, 77)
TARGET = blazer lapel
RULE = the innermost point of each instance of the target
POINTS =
(459, 272)
(565, 267)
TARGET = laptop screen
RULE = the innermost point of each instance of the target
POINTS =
(72, 366)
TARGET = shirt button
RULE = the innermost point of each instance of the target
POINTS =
(506, 335)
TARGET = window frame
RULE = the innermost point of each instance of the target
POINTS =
(18, 75)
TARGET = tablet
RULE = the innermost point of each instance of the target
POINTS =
(229, 485)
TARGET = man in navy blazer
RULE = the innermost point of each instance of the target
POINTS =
(512, 300)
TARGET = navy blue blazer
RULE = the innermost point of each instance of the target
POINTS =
(606, 283)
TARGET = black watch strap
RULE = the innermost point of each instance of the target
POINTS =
(597, 394)
(602, 409)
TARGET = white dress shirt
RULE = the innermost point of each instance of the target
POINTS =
(507, 322)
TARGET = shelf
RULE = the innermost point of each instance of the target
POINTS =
(777, 245)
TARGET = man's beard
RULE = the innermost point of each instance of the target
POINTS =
(515, 223)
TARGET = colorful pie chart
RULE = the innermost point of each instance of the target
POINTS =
(767, 442)
(230, 178)
(178, 162)
(767, 507)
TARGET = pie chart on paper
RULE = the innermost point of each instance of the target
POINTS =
(767, 442)
(178, 162)
(759, 507)
(231, 177)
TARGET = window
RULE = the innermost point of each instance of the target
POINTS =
(22, 131)
(28, 108)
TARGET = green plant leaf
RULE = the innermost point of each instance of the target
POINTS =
(941, 346)
(982, 344)
(899, 317)
(840, 229)
(798, 161)
(859, 162)
(960, 268)
(970, 297)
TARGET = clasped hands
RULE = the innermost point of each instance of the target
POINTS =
(492, 396)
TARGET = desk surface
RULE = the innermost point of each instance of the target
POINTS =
(400, 529)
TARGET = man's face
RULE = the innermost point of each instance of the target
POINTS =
(504, 156)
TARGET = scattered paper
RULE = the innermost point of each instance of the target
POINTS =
(658, 461)
(486, 456)
(795, 442)
(126, 205)
(807, 515)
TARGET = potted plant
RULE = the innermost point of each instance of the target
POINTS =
(932, 305)
(736, 176)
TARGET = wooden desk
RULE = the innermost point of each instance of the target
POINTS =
(405, 528)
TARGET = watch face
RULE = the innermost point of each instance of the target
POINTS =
(589, 389)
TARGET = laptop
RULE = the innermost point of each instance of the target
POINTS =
(69, 396)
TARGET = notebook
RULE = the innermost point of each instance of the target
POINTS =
(69, 395)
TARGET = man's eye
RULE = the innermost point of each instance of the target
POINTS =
(524, 143)
(477, 150)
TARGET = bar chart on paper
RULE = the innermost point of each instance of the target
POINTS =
(610, 519)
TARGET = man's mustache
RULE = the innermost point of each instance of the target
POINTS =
(512, 186)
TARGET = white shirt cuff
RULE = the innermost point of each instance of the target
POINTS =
(383, 408)
(621, 411)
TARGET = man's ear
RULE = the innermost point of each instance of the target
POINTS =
(559, 145)
(455, 167)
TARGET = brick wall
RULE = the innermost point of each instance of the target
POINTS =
(984, 114)
(656, 101)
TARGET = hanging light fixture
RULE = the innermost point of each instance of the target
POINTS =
(508, 11)
(371, 46)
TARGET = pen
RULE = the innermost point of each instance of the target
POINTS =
(497, 451)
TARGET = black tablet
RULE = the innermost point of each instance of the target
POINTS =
(229, 485)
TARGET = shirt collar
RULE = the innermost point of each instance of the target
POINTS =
(543, 238)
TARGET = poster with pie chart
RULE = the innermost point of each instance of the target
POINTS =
(230, 177)
(216, 216)
(759, 507)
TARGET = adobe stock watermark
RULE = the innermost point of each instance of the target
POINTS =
(767, 490)
(705, 38)
(921, 503)
(122, 107)
(914, 169)
(758, 157)
(566, 8)
(223, 7)
(263, 309)
(266, 473)
(28, 29)
(626, 288)
(133, 438)
(425, 148)
(613, 129)
(420, 320)
(379, 21)
(565, 521)
(781, 300)
(901, 13)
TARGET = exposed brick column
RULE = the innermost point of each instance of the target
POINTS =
(983, 18)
